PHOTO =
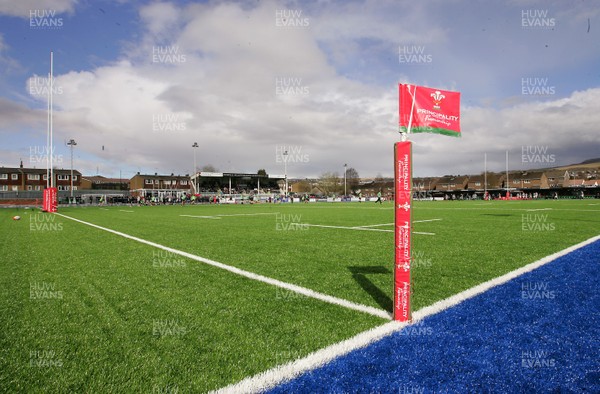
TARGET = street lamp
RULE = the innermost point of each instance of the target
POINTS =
(196, 178)
(285, 153)
(71, 143)
(345, 171)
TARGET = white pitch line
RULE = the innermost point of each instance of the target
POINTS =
(286, 372)
(288, 286)
(540, 209)
(360, 228)
(122, 210)
(377, 225)
(347, 228)
(428, 220)
(201, 217)
(249, 214)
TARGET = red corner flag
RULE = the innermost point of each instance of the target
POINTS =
(427, 110)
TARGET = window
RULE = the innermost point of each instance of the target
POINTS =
(29, 187)
(74, 187)
(147, 181)
(74, 177)
(15, 188)
(3, 176)
(38, 187)
(33, 177)
(63, 178)
(45, 177)
(14, 177)
(477, 183)
(167, 182)
(527, 181)
(4, 188)
(183, 183)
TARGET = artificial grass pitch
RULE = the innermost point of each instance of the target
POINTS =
(536, 333)
(111, 314)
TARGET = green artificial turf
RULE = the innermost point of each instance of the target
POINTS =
(84, 310)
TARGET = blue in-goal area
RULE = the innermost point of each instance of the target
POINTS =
(538, 333)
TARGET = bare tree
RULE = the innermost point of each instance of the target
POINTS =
(330, 183)
(209, 168)
(352, 179)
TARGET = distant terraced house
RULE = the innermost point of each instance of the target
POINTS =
(16, 179)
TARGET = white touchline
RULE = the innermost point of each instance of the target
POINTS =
(359, 228)
(540, 209)
(122, 210)
(201, 217)
(377, 225)
(286, 372)
(347, 228)
(427, 220)
(249, 214)
(288, 286)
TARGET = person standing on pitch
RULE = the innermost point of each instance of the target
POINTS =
(378, 197)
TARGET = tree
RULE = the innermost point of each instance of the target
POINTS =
(330, 183)
(209, 168)
(352, 179)
(261, 172)
(303, 186)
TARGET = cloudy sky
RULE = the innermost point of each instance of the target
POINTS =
(138, 82)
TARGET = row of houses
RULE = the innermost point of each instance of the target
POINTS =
(519, 180)
(17, 179)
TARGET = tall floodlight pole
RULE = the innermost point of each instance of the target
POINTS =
(71, 143)
(507, 183)
(285, 153)
(51, 88)
(345, 171)
(484, 176)
(195, 177)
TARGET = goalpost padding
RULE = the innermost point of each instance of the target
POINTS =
(402, 229)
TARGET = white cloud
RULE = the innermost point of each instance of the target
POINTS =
(22, 8)
(220, 89)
